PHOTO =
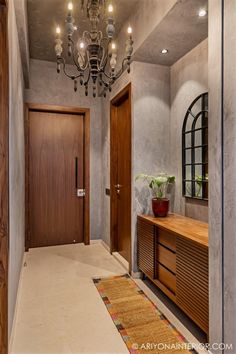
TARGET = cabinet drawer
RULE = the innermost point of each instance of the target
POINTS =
(166, 277)
(166, 239)
(166, 257)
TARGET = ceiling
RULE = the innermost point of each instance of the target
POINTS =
(180, 31)
(45, 15)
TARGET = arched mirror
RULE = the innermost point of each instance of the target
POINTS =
(195, 149)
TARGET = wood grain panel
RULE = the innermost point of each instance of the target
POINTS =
(166, 257)
(192, 281)
(166, 277)
(146, 244)
(4, 181)
(121, 173)
(167, 239)
(188, 228)
(56, 140)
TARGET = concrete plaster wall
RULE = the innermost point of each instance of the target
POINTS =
(16, 164)
(215, 171)
(229, 174)
(144, 19)
(48, 87)
(189, 78)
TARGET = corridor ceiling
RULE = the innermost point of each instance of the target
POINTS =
(179, 31)
(45, 15)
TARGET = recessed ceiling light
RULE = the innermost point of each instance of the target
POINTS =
(202, 12)
(164, 51)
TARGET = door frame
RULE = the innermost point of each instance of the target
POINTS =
(126, 91)
(4, 176)
(60, 109)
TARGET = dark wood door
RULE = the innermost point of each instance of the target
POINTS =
(56, 170)
(121, 174)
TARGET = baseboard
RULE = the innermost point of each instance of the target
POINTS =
(105, 245)
(94, 242)
(136, 275)
(122, 261)
(11, 338)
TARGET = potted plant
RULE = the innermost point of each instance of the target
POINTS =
(159, 185)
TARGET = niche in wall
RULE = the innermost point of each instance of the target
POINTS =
(195, 149)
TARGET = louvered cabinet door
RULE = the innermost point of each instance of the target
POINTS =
(146, 249)
(192, 281)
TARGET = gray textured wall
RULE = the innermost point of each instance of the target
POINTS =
(189, 78)
(47, 87)
(22, 27)
(16, 164)
(151, 133)
(215, 161)
(230, 172)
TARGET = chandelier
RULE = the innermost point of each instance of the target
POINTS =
(94, 54)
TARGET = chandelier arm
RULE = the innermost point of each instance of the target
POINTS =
(103, 67)
(86, 35)
(73, 56)
(105, 56)
(72, 77)
(99, 37)
(102, 60)
(107, 75)
(105, 83)
(87, 81)
(111, 78)
(87, 64)
(80, 68)
(122, 70)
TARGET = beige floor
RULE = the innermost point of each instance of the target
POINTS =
(59, 310)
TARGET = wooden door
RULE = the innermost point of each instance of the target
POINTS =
(56, 170)
(121, 173)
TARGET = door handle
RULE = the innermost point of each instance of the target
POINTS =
(76, 173)
(79, 192)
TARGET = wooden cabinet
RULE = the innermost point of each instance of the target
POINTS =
(173, 253)
(146, 245)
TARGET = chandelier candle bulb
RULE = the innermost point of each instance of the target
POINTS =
(129, 30)
(110, 9)
(70, 6)
(58, 30)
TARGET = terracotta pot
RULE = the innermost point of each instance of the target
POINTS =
(160, 207)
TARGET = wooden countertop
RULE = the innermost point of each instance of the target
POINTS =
(191, 229)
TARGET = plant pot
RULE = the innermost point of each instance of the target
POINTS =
(160, 207)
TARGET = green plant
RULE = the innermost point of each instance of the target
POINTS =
(158, 184)
(199, 181)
